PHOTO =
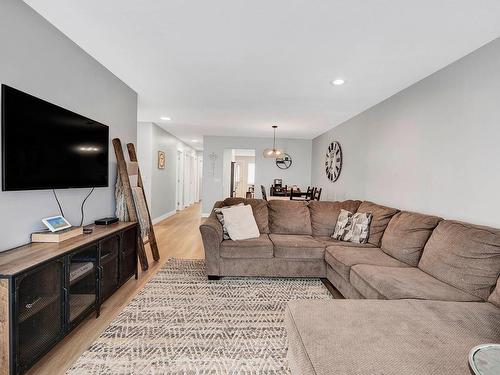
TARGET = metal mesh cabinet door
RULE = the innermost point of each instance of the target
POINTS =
(128, 255)
(109, 249)
(38, 312)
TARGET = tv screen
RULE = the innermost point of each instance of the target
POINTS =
(45, 146)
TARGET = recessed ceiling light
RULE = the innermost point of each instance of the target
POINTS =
(165, 118)
(194, 140)
(338, 82)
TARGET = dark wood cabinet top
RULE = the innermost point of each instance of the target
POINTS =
(24, 257)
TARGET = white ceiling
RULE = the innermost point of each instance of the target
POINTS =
(234, 67)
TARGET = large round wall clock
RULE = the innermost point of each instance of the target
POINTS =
(333, 161)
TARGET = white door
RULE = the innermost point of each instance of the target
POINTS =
(179, 177)
(192, 177)
(195, 182)
(200, 177)
(185, 189)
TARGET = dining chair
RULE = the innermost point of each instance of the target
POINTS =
(298, 196)
(295, 193)
(263, 190)
(310, 193)
(317, 194)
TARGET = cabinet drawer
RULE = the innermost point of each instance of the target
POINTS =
(109, 248)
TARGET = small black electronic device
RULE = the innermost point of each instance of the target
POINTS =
(106, 221)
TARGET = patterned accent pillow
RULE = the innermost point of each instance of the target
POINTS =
(220, 216)
(343, 226)
(360, 228)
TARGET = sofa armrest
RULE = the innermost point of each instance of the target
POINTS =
(212, 236)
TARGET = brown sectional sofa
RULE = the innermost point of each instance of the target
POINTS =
(275, 252)
(439, 275)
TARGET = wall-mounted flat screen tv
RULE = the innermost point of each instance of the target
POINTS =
(45, 146)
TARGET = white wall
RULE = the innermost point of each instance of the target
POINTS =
(144, 155)
(265, 169)
(432, 148)
(160, 184)
(38, 59)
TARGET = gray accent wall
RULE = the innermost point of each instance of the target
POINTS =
(36, 58)
(433, 147)
(265, 169)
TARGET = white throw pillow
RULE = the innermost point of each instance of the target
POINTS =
(240, 223)
(220, 216)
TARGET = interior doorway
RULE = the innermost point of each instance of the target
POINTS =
(239, 173)
(179, 178)
(200, 178)
(186, 181)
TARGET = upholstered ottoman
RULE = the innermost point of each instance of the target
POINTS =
(374, 337)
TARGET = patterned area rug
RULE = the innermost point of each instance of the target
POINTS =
(181, 323)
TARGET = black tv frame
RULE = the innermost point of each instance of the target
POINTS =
(2, 132)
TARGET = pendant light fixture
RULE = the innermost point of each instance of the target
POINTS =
(273, 152)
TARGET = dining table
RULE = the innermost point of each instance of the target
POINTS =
(278, 198)
(281, 198)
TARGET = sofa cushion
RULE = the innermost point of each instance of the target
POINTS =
(260, 247)
(342, 258)
(360, 337)
(494, 297)
(297, 246)
(259, 209)
(342, 285)
(464, 255)
(328, 241)
(378, 282)
(289, 217)
(381, 217)
(406, 235)
(324, 215)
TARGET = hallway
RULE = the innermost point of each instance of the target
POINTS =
(178, 237)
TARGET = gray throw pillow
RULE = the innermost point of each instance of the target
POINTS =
(360, 228)
(343, 226)
(220, 216)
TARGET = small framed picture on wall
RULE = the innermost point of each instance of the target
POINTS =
(161, 160)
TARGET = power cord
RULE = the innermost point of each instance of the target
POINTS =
(59, 204)
(83, 204)
(81, 208)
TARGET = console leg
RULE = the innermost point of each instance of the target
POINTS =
(213, 277)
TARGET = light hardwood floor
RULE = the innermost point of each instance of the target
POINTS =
(177, 237)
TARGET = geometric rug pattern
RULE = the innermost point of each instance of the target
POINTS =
(181, 323)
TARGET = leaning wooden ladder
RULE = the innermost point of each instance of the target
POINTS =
(123, 174)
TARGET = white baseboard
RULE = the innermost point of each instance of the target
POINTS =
(205, 214)
(163, 217)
